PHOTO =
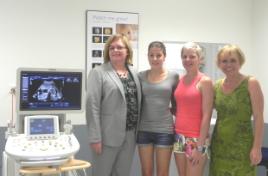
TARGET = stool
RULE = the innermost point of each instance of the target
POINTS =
(264, 161)
(71, 165)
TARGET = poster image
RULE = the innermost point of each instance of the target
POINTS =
(207, 66)
(129, 30)
(96, 30)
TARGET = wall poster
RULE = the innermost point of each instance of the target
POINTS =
(100, 25)
(208, 66)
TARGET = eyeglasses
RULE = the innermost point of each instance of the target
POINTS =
(119, 48)
(229, 61)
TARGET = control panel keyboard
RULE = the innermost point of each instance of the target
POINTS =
(22, 148)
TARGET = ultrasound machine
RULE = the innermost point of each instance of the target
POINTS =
(42, 135)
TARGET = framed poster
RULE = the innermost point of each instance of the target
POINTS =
(100, 25)
(208, 65)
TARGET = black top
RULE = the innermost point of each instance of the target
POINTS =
(130, 90)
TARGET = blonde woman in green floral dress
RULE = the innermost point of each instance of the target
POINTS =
(236, 146)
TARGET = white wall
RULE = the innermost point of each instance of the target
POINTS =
(39, 33)
(260, 46)
(51, 33)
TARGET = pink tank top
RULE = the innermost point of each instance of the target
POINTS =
(189, 108)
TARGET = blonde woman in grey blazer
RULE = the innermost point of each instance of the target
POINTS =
(112, 109)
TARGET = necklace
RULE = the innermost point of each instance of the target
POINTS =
(123, 74)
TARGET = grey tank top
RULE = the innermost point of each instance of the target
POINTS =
(157, 100)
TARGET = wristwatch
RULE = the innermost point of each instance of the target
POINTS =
(200, 148)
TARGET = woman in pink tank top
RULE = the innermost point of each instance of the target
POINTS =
(194, 98)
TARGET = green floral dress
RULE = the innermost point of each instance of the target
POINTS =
(232, 136)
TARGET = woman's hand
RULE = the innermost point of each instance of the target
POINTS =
(195, 157)
(255, 156)
(97, 147)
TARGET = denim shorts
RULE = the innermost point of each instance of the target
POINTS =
(156, 139)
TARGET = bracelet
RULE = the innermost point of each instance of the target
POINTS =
(200, 149)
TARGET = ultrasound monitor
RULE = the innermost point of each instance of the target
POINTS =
(49, 91)
(41, 126)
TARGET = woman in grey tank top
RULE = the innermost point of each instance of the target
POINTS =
(155, 135)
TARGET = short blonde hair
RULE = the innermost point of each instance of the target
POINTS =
(231, 49)
(125, 41)
(192, 45)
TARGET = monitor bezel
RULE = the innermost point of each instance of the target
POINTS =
(49, 111)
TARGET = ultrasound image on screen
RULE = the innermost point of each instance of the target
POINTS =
(50, 91)
(42, 126)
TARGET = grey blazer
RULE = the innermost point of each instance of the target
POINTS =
(106, 108)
